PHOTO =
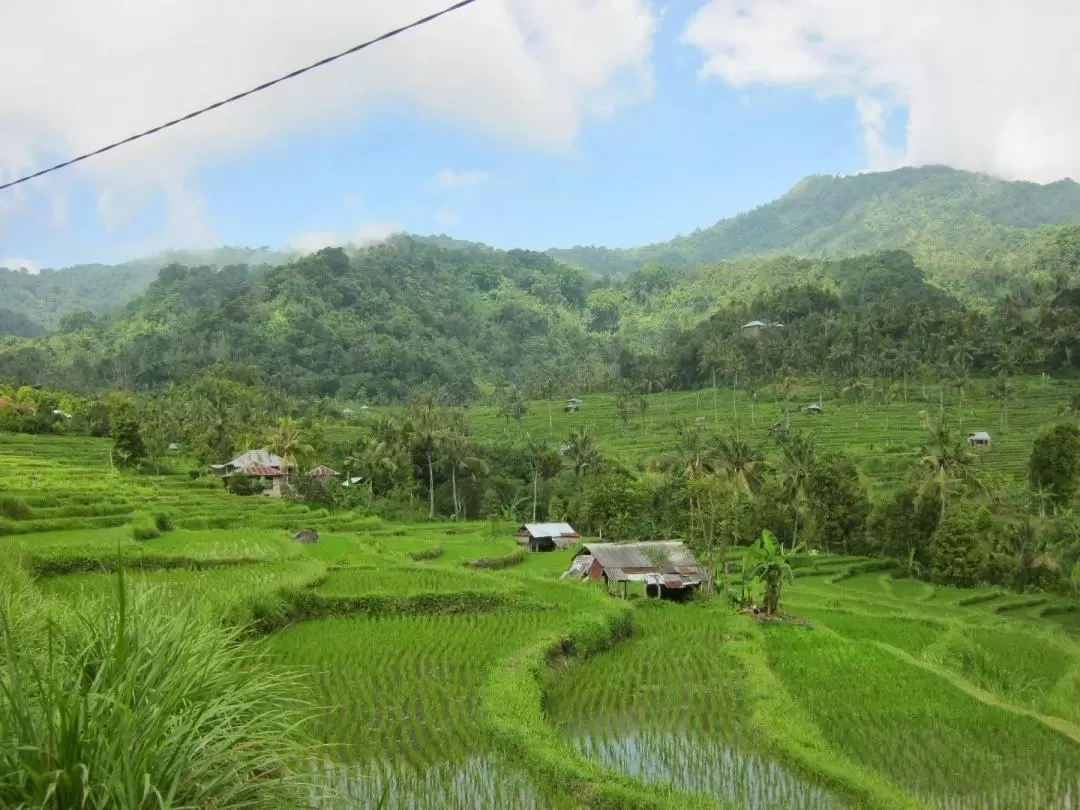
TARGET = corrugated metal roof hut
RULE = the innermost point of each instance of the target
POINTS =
(547, 536)
(665, 569)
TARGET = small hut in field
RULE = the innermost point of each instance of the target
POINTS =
(666, 569)
(547, 536)
(980, 439)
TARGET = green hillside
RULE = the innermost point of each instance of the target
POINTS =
(46, 297)
(968, 230)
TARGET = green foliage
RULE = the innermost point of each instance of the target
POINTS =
(15, 508)
(144, 527)
(839, 503)
(128, 447)
(240, 483)
(163, 522)
(954, 222)
(767, 562)
(957, 548)
(137, 705)
(1055, 462)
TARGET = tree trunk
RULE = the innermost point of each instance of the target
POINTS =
(431, 486)
(734, 385)
(715, 414)
(453, 488)
(795, 534)
(536, 474)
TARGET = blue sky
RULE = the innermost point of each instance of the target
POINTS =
(732, 114)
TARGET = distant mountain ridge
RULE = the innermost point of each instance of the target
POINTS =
(957, 224)
(972, 234)
(45, 298)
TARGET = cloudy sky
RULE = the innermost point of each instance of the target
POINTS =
(530, 123)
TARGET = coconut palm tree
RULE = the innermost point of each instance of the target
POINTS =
(886, 394)
(426, 425)
(286, 439)
(797, 465)
(458, 453)
(368, 460)
(740, 462)
(544, 462)
(581, 449)
(946, 461)
(1003, 393)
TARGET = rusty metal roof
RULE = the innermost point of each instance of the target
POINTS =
(263, 471)
(322, 471)
(665, 556)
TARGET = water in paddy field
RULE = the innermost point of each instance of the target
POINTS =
(1065, 795)
(707, 765)
(480, 783)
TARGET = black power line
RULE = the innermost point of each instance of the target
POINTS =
(246, 93)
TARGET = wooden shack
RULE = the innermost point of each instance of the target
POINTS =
(547, 536)
(665, 569)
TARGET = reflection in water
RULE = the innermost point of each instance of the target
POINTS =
(474, 784)
(705, 765)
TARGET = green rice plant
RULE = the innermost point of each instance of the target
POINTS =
(915, 729)
(495, 563)
(144, 527)
(15, 508)
(426, 554)
(163, 522)
(136, 706)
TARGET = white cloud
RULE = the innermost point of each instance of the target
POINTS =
(28, 265)
(529, 71)
(989, 85)
(447, 219)
(366, 233)
(448, 178)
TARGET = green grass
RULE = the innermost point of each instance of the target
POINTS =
(882, 441)
(458, 688)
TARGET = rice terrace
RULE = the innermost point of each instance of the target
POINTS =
(439, 664)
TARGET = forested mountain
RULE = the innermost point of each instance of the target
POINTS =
(46, 297)
(409, 316)
(969, 231)
(15, 323)
(379, 323)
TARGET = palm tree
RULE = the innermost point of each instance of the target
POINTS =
(369, 459)
(286, 439)
(458, 452)
(543, 462)
(581, 449)
(798, 463)
(946, 461)
(426, 425)
(886, 394)
(740, 463)
(1003, 393)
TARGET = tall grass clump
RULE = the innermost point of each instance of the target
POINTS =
(15, 508)
(132, 707)
(144, 527)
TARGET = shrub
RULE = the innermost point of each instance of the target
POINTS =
(15, 508)
(956, 549)
(143, 527)
(240, 484)
(163, 522)
(134, 701)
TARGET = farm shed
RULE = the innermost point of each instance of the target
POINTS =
(323, 472)
(271, 477)
(260, 458)
(980, 439)
(753, 328)
(665, 569)
(547, 536)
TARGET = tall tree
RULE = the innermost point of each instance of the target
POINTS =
(287, 439)
(797, 466)
(544, 463)
(582, 450)
(945, 461)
